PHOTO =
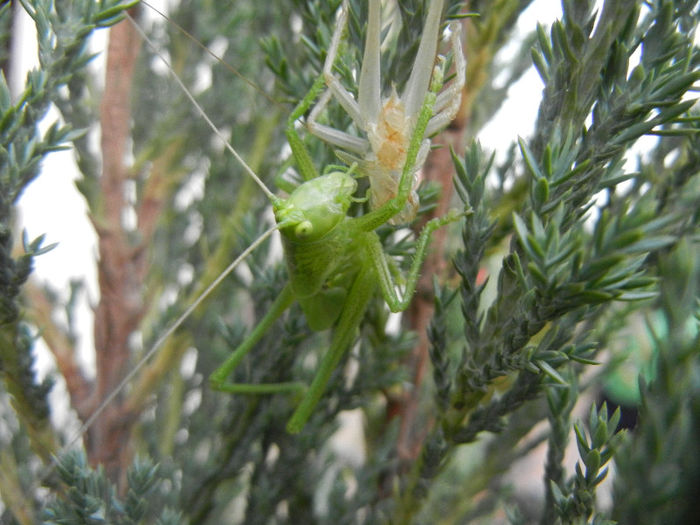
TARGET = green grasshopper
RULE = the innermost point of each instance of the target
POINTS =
(336, 262)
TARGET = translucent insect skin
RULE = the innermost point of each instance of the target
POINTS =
(389, 123)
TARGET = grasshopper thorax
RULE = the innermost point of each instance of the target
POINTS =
(315, 207)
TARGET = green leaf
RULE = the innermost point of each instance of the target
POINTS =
(592, 462)
(540, 193)
(581, 440)
(614, 420)
(112, 15)
(520, 228)
(583, 360)
(599, 479)
(540, 65)
(544, 42)
(637, 296)
(538, 274)
(600, 267)
(600, 436)
(595, 296)
(529, 159)
(548, 370)
(559, 497)
(535, 247)
(5, 97)
(650, 244)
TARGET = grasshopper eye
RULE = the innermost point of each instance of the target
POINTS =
(303, 229)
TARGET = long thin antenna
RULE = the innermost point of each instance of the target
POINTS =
(167, 333)
(190, 96)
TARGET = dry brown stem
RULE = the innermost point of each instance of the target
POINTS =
(121, 265)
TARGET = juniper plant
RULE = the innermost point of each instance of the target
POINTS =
(519, 318)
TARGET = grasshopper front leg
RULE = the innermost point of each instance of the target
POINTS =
(218, 379)
(387, 286)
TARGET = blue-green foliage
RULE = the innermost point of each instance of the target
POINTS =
(570, 245)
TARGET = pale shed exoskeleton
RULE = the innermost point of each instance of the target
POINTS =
(388, 123)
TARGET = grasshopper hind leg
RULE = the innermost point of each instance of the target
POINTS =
(219, 378)
(354, 309)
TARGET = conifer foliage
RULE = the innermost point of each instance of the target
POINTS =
(575, 275)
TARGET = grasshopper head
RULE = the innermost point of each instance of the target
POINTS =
(316, 207)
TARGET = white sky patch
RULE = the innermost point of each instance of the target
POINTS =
(192, 190)
(518, 113)
(188, 363)
(194, 229)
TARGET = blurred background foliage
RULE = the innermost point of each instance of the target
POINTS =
(575, 279)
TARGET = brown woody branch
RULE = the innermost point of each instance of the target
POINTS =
(121, 265)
